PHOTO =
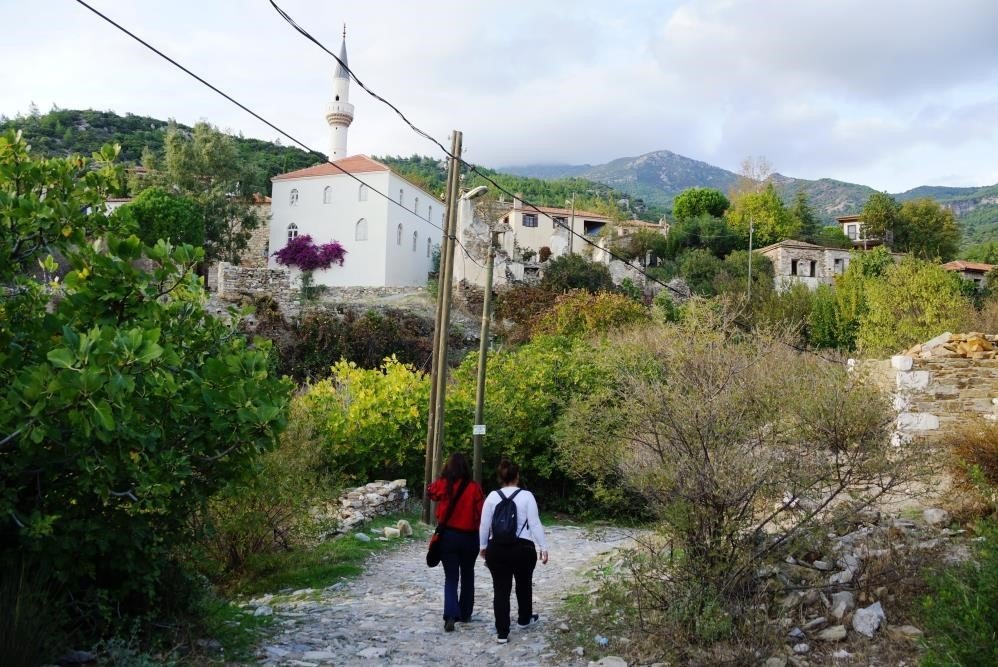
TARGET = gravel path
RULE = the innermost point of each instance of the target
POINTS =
(392, 614)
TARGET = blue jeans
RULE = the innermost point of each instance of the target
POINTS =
(458, 551)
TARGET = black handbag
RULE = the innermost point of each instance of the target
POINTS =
(433, 549)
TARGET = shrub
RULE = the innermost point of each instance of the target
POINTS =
(959, 614)
(521, 305)
(913, 302)
(570, 272)
(973, 463)
(580, 313)
(369, 423)
(125, 405)
(695, 419)
(273, 510)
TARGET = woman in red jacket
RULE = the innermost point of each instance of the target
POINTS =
(459, 538)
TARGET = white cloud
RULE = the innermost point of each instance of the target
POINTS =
(890, 93)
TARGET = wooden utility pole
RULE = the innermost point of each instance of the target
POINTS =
(483, 352)
(438, 374)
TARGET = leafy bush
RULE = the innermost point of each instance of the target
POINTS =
(371, 423)
(521, 305)
(275, 509)
(526, 389)
(580, 313)
(694, 419)
(959, 614)
(570, 272)
(125, 405)
(157, 214)
(913, 302)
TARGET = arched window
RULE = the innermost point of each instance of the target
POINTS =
(401, 197)
(415, 206)
(293, 197)
(360, 230)
(415, 238)
(292, 232)
(429, 247)
(398, 235)
(327, 195)
(429, 213)
(362, 193)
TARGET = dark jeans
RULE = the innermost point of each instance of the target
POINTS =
(458, 552)
(508, 563)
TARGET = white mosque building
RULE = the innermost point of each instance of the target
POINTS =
(389, 239)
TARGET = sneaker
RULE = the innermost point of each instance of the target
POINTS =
(449, 625)
(536, 618)
(502, 640)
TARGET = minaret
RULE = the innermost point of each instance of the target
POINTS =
(339, 112)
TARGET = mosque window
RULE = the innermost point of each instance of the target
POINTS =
(415, 239)
(293, 197)
(327, 195)
(415, 206)
(292, 232)
(362, 192)
(398, 235)
(429, 247)
(360, 230)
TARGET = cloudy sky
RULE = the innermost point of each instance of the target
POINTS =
(888, 93)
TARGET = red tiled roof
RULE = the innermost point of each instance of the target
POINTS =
(354, 164)
(961, 265)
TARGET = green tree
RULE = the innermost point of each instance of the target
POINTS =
(705, 231)
(982, 252)
(807, 221)
(765, 211)
(927, 230)
(699, 268)
(832, 237)
(881, 217)
(204, 165)
(733, 274)
(125, 404)
(640, 243)
(157, 214)
(913, 302)
(695, 202)
(570, 272)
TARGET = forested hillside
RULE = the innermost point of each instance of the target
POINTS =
(62, 132)
(431, 174)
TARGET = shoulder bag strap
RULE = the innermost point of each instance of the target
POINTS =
(453, 503)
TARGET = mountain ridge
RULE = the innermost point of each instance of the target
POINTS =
(658, 176)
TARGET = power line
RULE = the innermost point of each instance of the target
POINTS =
(261, 118)
(473, 168)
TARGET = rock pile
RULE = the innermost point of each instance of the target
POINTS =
(825, 599)
(973, 345)
(365, 502)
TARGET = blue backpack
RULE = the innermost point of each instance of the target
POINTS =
(504, 520)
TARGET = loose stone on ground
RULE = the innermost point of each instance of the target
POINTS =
(393, 613)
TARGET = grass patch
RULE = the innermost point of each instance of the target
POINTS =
(328, 562)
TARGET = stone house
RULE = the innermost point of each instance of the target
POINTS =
(854, 229)
(972, 271)
(807, 263)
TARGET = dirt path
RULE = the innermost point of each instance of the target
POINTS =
(392, 614)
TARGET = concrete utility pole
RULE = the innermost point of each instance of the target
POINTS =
(438, 373)
(483, 349)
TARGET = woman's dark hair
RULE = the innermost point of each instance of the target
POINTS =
(456, 468)
(507, 471)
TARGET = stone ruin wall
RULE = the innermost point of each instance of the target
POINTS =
(937, 386)
(363, 503)
(234, 284)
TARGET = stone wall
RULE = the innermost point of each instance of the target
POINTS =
(232, 283)
(936, 387)
(258, 245)
(365, 502)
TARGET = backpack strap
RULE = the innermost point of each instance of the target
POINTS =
(511, 496)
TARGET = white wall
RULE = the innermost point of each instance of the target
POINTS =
(379, 261)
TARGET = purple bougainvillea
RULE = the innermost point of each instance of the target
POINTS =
(301, 252)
